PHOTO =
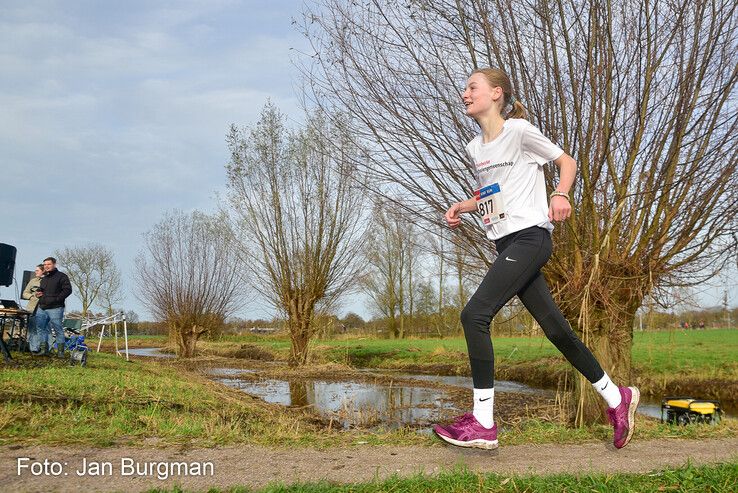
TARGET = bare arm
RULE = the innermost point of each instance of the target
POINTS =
(560, 208)
(453, 214)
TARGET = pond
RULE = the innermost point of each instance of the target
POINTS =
(150, 352)
(461, 381)
(354, 403)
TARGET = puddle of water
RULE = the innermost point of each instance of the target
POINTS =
(354, 403)
(228, 372)
(649, 406)
(649, 409)
(457, 381)
(151, 352)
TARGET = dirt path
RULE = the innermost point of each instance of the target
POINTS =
(256, 466)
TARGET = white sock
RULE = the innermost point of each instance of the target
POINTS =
(484, 403)
(608, 390)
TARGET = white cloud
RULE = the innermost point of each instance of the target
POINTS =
(111, 117)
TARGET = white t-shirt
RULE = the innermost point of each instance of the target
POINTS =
(511, 190)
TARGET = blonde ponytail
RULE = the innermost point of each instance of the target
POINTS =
(517, 111)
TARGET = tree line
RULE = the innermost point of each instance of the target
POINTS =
(642, 95)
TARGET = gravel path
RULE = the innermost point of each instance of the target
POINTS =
(257, 466)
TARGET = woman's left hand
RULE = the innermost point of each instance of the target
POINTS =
(560, 208)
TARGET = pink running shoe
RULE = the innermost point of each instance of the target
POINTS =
(623, 416)
(466, 431)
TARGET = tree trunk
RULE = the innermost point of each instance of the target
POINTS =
(440, 292)
(299, 345)
(299, 322)
(186, 340)
(462, 298)
(610, 338)
(401, 297)
(299, 394)
(300, 340)
(411, 293)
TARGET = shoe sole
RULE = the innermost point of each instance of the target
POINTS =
(635, 398)
(483, 444)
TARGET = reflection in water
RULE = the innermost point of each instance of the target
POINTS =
(354, 403)
(649, 408)
(500, 385)
(229, 371)
(299, 394)
(364, 404)
(151, 352)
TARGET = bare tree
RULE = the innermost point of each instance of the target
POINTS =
(427, 305)
(110, 291)
(188, 275)
(391, 254)
(439, 248)
(468, 270)
(642, 94)
(89, 269)
(413, 262)
(298, 208)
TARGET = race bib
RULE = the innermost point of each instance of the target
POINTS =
(490, 204)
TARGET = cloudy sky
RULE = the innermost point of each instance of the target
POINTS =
(112, 113)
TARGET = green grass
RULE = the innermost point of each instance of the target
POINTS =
(450, 352)
(705, 352)
(539, 431)
(708, 479)
(702, 354)
(114, 401)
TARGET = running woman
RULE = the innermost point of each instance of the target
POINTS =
(509, 156)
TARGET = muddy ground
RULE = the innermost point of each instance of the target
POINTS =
(257, 466)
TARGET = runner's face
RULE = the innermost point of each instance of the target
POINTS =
(479, 97)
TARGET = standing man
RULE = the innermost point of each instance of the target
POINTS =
(29, 293)
(55, 288)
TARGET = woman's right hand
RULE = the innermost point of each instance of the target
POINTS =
(453, 215)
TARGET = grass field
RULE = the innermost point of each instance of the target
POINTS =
(705, 351)
(720, 478)
(112, 401)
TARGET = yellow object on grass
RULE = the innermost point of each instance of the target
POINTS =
(702, 407)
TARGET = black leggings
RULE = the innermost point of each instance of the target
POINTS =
(517, 271)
